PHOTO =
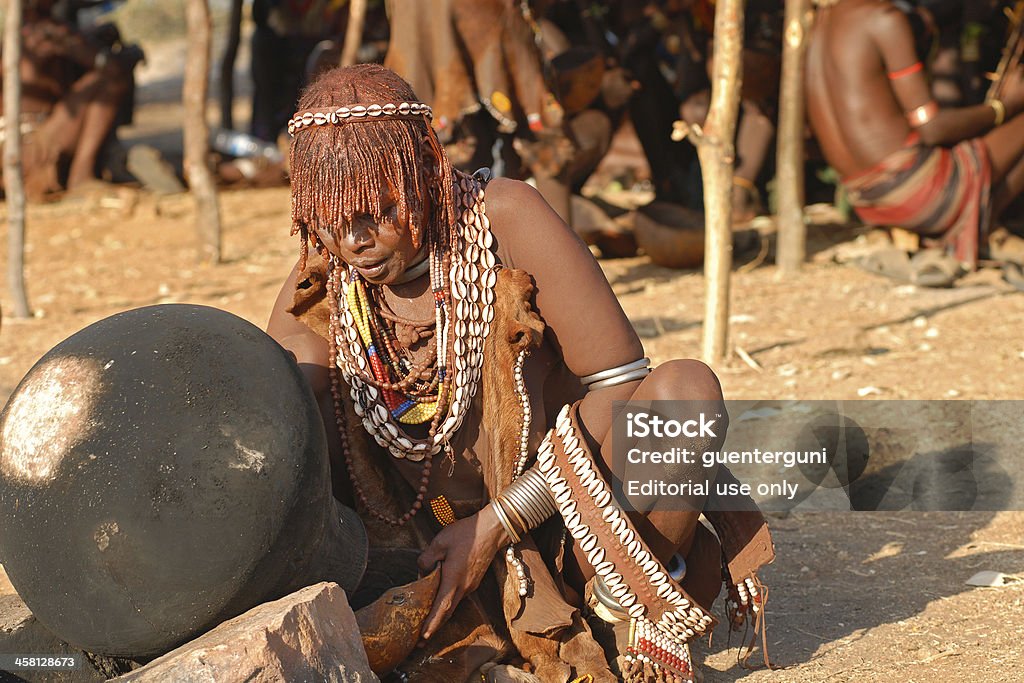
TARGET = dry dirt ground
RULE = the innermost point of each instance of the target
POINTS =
(854, 596)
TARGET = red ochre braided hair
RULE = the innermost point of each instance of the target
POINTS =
(338, 170)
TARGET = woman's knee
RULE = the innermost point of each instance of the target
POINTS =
(684, 380)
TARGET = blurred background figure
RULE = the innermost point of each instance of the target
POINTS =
(758, 117)
(293, 40)
(479, 64)
(77, 87)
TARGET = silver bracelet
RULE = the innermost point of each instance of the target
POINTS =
(531, 497)
(505, 522)
(630, 376)
(610, 373)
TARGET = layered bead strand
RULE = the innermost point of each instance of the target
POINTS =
(333, 286)
(515, 564)
(463, 317)
(406, 404)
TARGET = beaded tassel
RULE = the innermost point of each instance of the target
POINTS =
(652, 653)
(442, 509)
(743, 600)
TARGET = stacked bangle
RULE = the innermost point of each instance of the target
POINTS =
(499, 510)
(524, 505)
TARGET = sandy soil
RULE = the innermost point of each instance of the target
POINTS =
(854, 596)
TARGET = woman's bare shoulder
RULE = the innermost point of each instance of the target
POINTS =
(526, 224)
(572, 295)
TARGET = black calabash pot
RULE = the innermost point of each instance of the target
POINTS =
(161, 471)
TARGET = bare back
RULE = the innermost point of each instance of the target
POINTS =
(851, 104)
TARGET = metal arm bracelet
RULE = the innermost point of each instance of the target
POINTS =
(527, 501)
(611, 377)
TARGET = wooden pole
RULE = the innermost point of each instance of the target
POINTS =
(792, 247)
(197, 145)
(354, 31)
(227, 66)
(716, 150)
(14, 183)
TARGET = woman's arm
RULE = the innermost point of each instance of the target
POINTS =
(583, 316)
(894, 39)
(311, 352)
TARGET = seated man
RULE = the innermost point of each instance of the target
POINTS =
(73, 86)
(905, 161)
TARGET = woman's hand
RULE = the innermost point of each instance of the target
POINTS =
(465, 550)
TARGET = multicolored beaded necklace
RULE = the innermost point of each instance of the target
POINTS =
(409, 400)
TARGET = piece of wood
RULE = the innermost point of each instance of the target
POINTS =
(197, 146)
(227, 66)
(792, 247)
(14, 182)
(905, 239)
(716, 150)
(354, 32)
(1012, 51)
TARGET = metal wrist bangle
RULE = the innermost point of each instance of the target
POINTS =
(531, 498)
(513, 516)
(500, 513)
(532, 510)
(522, 507)
(639, 373)
(612, 372)
(999, 110)
(525, 506)
(539, 495)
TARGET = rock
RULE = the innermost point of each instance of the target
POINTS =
(5, 583)
(310, 635)
(21, 633)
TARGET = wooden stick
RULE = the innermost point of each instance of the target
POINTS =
(748, 359)
(792, 247)
(1012, 52)
(354, 32)
(715, 148)
(227, 66)
(14, 183)
(197, 144)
